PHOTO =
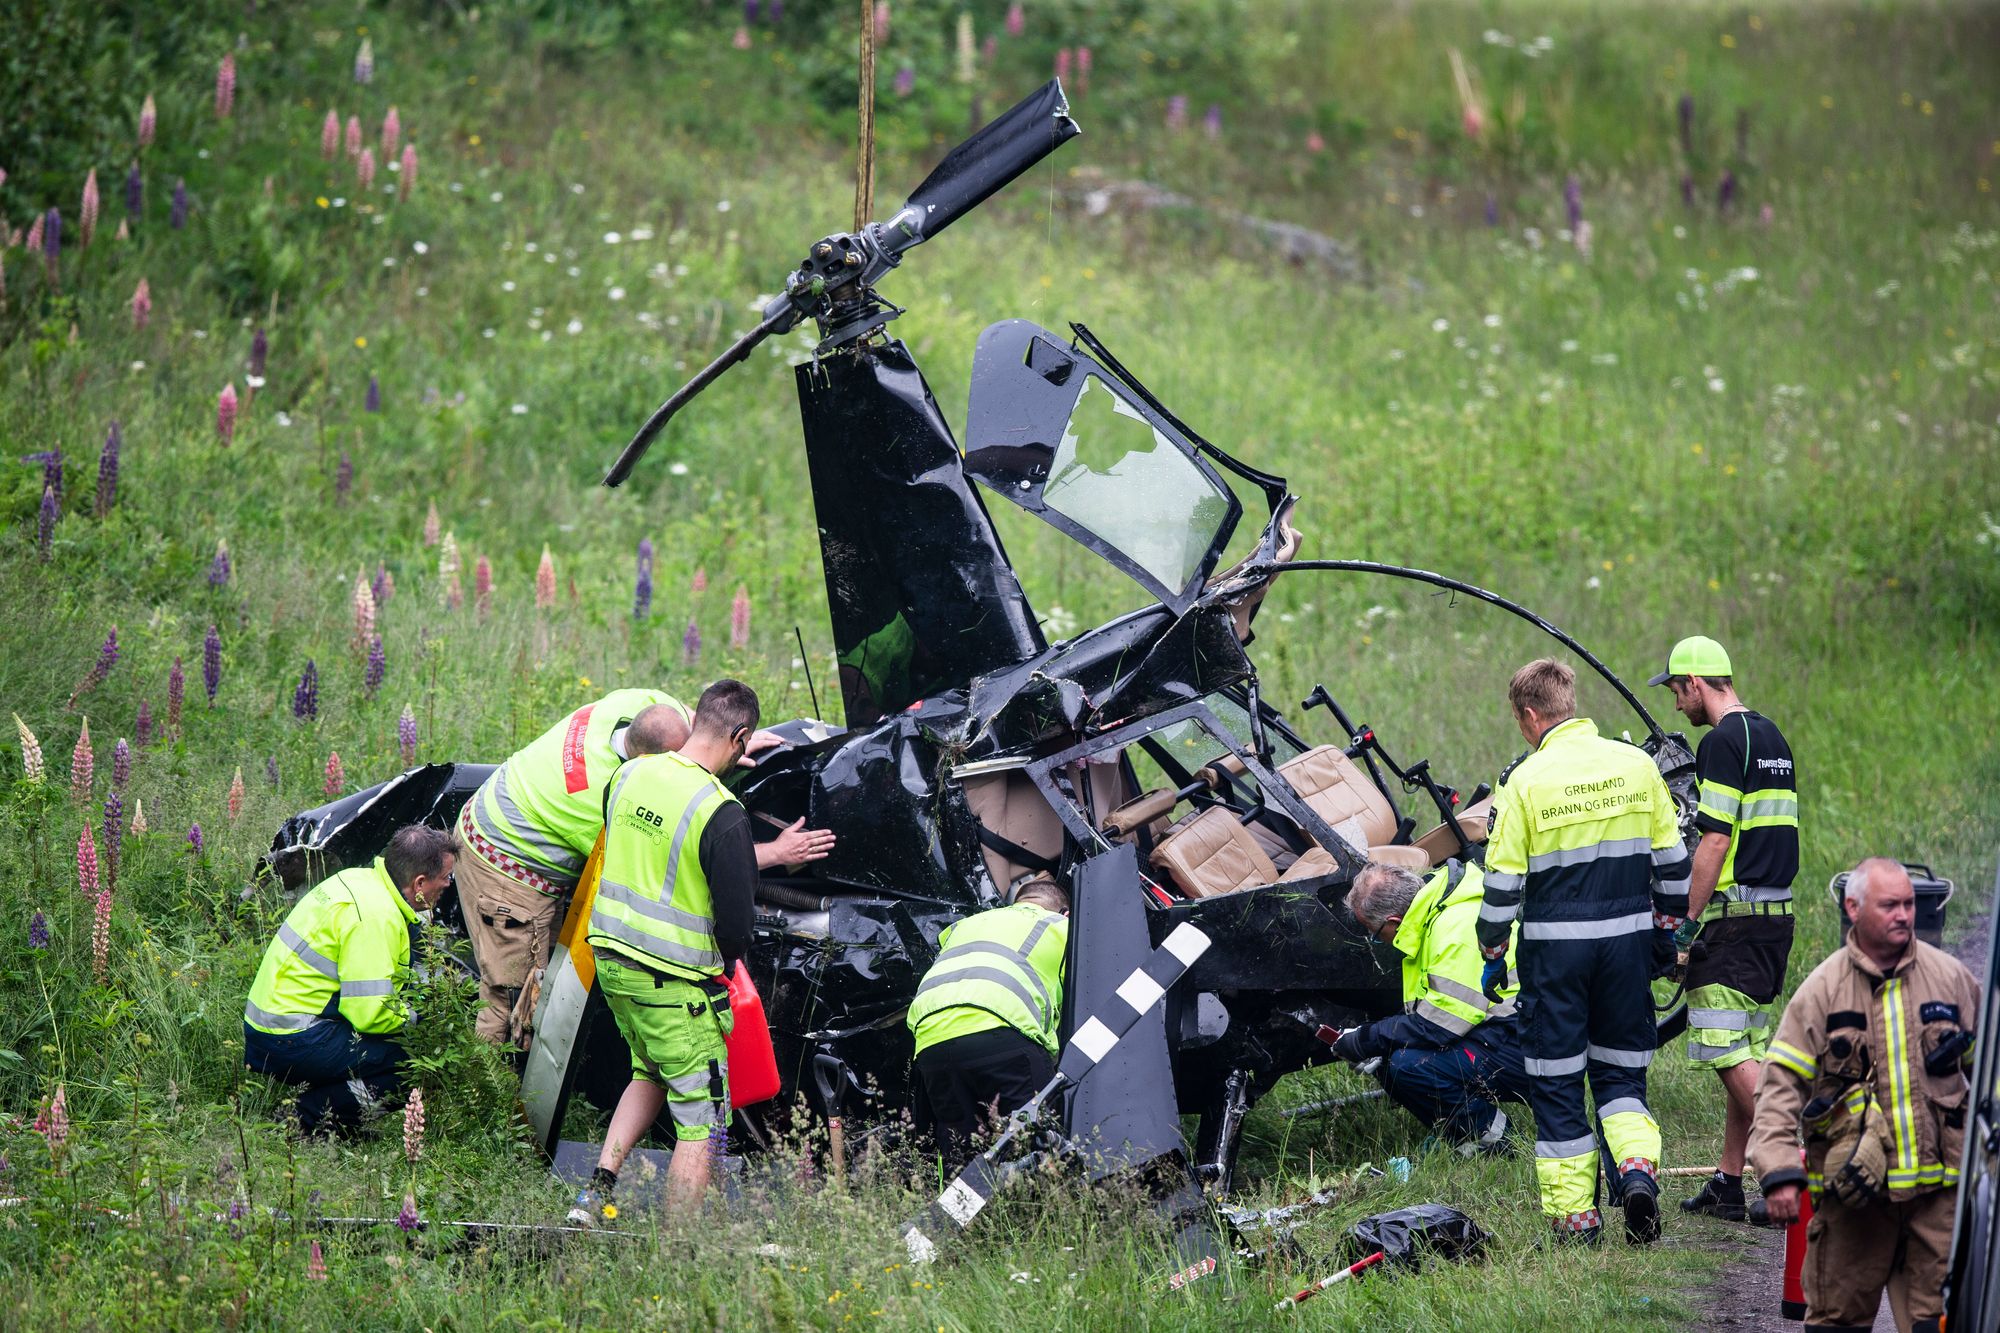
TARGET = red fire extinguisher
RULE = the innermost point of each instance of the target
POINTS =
(753, 1065)
(1793, 1305)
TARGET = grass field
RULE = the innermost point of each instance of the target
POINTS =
(1775, 426)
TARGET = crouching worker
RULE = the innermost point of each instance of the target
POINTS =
(985, 1018)
(674, 910)
(323, 1012)
(1452, 1053)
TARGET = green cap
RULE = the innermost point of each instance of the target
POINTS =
(1698, 656)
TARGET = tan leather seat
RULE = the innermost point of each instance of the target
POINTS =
(1474, 821)
(1209, 853)
(1341, 792)
(1313, 864)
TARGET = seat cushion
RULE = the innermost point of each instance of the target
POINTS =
(1474, 820)
(1410, 858)
(1340, 792)
(1314, 863)
(1210, 853)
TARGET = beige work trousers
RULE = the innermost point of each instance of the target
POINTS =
(1852, 1253)
(513, 930)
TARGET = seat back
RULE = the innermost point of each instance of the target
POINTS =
(1210, 853)
(1475, 819)
(1340, 792)
(1010, 805)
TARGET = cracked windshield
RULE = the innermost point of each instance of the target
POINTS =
(1117, 476)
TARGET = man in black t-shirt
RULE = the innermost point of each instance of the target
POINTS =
(1741, 893)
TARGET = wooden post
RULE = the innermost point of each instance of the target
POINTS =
(864, 159)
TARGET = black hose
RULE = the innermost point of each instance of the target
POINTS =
(777, 895)
(1494, 598)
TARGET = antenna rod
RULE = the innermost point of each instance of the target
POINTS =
(807, 663)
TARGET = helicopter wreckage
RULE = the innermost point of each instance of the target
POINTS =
(1138, 762)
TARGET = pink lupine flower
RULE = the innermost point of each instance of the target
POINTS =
(236, 793)
(53, 1121)
(225, 413)
(1083, 69)
(392, 133)
(142, 305)
(100, 936)
(1315, 142)
(336, 777)
(881, 21)
(406, 736)
(329, 134)
(384, 586)
(739, 619)
(149, 117)
(142, 730)
(1063, 58)
(407, 180)
(364, 168)
(431, 525)
(34, 241)
(545, 581)
(87, 214)
(413, 1125)
(80, 764)
(315, 1264)
(364, 62)
(86, 862)
(33, 767)
(482, 586)
(700, 581)
(353, 139)
(741, 41)
(225, 86)
(1017, 21)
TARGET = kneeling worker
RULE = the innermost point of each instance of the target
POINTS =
(323, 1012)
(985, 1017)
(1452, 1053)
(675, 908)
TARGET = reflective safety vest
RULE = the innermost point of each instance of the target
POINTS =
(653, 904)
(1442, 965)
(542, 809)
(1580, 830)
(343, 950)
(999, 969)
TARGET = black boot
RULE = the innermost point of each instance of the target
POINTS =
(1720, 1197)
(1642, 1208)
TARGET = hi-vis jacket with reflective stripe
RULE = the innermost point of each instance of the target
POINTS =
(1895, 1018)
(1442, 964)
(544, 806)
(653, 903)
(344, 949)
(1583, 843)
(1002, 968)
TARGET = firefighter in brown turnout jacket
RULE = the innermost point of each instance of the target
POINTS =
(1869, 1063)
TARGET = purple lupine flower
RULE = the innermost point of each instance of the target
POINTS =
(305, 699)
(219, 568)
(121, 764)
(1211, 121)
(1492, 211)
(1725, 193)
(52, 469)
(407, 1218)
(211, 663)
(135, 189)
(178, 217)
(52, 235)
(176, 694)
(406, 736)
(364, 62)
(691, 644)
(753, 10)
(1573, 201)
(373, 403)
(260, 348)
(107, 470)
(906, 81)
(194, 839)
(1687, 123)
(45, 527)
(642, 591)
(1177, 109)
(271, 769)
(343, 478)
(1687, 189)
(114, 831)
(378, 666)
(142, 730)
(38, 931)
(383, 587)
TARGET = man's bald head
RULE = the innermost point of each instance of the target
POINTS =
(657, 730)
(1877, 872)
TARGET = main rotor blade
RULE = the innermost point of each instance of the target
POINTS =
(1001, 150)
(783, 317)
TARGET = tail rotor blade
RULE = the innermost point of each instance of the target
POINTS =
(1000, 151)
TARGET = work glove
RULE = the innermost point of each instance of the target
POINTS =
(1493, 978)
(1353, 1046)
(1666, 954)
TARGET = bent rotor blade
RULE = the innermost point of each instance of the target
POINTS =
(1093, 1039)
(971, 173)
(782, 318)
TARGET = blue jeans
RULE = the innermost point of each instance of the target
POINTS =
(345, 1074)
(1453, 1090)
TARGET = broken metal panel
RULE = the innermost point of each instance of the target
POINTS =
(354, 829)
(1055, 432)
(920, 592)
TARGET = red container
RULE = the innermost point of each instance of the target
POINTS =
(1793, 1304)
(753, 1065)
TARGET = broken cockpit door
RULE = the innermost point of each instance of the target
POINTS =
(1053, 431)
